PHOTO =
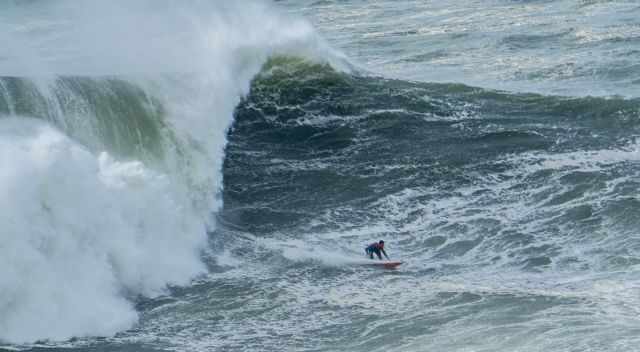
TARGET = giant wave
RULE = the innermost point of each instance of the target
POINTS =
(113, 121)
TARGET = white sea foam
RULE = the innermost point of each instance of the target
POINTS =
(78, 231)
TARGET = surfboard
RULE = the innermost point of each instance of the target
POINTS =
(385, 264)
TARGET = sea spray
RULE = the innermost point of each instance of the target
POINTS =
(79, 231)
(112, 140)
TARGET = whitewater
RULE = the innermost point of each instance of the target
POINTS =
(204, 175)
(113, 133)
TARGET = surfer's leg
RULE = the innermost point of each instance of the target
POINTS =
(368, 252)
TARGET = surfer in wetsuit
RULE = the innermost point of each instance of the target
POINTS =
(377, 248)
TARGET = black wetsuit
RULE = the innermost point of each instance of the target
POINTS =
(377, 249)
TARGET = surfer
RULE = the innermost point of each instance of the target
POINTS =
(376, 248)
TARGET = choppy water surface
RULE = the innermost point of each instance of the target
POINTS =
(550, 47)
(514, 210)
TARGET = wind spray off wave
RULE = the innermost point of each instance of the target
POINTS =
(113, 120)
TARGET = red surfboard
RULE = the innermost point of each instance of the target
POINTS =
(385, 264)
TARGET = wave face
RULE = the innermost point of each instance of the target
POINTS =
(512, 212)
(113, 121)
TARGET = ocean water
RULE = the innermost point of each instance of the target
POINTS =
(204, 175)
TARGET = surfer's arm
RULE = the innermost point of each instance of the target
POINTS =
(385, 253)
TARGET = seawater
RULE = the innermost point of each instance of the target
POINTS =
(205, 176)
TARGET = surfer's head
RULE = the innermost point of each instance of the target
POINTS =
(381, 243)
